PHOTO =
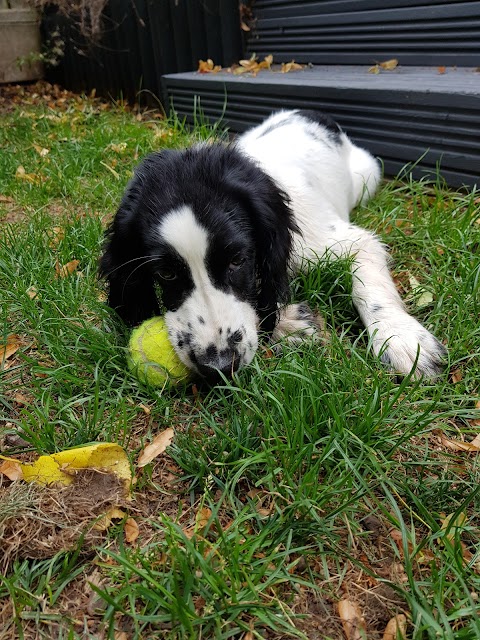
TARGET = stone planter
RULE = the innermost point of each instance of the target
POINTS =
(19, 41)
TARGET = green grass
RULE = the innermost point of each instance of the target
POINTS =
(291, 460)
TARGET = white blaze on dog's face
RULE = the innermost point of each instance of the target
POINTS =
(205, 277)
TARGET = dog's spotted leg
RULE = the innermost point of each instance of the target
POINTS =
(297, 322)
(396, 337)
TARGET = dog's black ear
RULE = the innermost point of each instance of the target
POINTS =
(272, 222)
(124, 263)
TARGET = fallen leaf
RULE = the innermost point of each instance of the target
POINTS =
(396, 628)
(56, 234)
(452, 524)
(421, 296)
(441, 69)
(105, 522)
(156, 447)
(60, 467)
(20, 398)
(202, 517)
(131, 530)
(422, 556)
(290, 66)
(32, 292)
(456, 376)
(208, 66)
(66, 269)
(42, 151)
(11, 469)
(459, 445)
(389, 65)
(21, 174)
(6, 200)
(353, 622)
(244, 27)
(11, 346)
(375, 69)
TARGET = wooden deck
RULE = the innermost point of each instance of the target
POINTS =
(423, 116)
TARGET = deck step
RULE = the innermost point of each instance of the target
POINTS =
(421, 116)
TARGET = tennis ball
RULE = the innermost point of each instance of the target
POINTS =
(152, 357)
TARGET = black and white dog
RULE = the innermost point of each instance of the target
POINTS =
(214, 232)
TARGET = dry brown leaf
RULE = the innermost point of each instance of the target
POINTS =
(66, 269)
(12, 345)
(121, 635)
(456, 376)
(6, 200)
(290, 66)
(131, 530)
(156, 447)
(21, 174)
(105, 521)
(207, 66)
(424, 556)
(353, 622)
(56, 235)
(459, 445)
(202, 517)
(42, 151)
(389, 65)
(32, 292)
(441, 69)
(20, 398)
(11, 469)
(396, 628)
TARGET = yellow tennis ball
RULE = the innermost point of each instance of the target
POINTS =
(152, 357)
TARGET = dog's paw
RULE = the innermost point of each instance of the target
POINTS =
(297, 322)
(403, 342)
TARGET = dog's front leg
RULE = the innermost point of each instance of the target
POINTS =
(397, 338)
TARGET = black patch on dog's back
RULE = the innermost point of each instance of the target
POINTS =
(325, 121)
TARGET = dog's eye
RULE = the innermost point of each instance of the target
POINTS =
(166, 274)
(236, 262)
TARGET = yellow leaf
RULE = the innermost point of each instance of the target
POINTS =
(452, 525)
(375, 69)
(389, 65)
(131, 530)
(11, 469)
(156, 447)
(11, 346)
(396, 628)
(353, 622)
(61, 467)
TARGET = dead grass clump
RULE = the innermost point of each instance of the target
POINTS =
(38, 522)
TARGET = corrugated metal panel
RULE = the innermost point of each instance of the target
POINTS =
(401, 118)
(143, 39)
(365, 31)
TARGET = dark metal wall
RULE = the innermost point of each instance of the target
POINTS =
(425, 32)
(143, 39)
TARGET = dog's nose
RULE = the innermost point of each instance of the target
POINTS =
(214, 361)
